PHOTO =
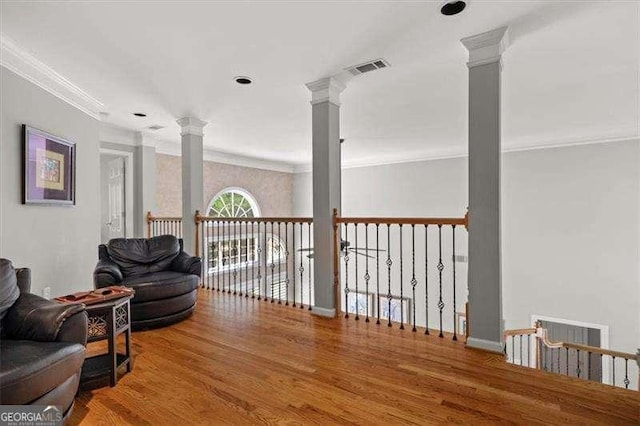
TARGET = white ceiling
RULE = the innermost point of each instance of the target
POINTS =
(571, 74)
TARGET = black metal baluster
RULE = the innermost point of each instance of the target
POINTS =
(378, 273)
(355, 254)
(366, 272)
(440, 269)
(246, 259)
(253, 259)
(578, 363)
(309, 265)
(259, 259)
(589, 365)
(286, 263)
(219, 268)
(205, 238)
(551, 360)
(613, 366)
(389, 263)
(237, 252)
(293, 264)
(301, 269)
(279, 264)
(426, 279)
(567, 366)
(266, 265)
(346, 271)
(559, 349)
(455, 323)
(273, 259)
(414, 282)
(626, 374)
(401, 283)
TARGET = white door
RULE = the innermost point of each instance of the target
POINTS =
(113, 198)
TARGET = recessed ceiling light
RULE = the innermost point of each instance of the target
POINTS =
(452, 7)
(139, 114)
(242, 80)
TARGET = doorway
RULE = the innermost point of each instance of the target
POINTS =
(575, 363)
(115, 195)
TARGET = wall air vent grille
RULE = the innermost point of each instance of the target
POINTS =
(368, 67)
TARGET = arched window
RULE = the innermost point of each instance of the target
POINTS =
(232, 246)
(233, 202)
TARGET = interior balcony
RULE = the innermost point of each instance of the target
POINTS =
(238, 360)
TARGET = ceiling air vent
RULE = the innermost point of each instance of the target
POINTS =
(155, 127)
(368, 66)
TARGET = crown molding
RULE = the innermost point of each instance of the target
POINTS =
(27, 66)
(486, 47)
(463, 153)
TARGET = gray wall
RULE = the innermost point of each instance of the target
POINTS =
(570, 226)
(59, 244)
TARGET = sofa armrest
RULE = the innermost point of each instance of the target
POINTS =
(187, 264)
(107, 273)
(35, 318)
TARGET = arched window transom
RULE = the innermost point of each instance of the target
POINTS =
(233, 202)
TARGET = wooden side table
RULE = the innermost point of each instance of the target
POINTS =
(107, 320)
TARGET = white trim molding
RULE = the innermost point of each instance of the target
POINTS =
(485, 345)
(191, 126)
(326, 89)
(486, 47)
(27, 66)
(323, 312)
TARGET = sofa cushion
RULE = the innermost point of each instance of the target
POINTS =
(30, 369)
(140, 256)
(161, 285)
(9, 291)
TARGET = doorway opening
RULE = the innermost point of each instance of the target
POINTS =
(589, 365)
(116, 195)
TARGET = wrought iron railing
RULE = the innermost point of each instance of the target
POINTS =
(531, 347)
(403, 271)
(157, 225)
(263, 258)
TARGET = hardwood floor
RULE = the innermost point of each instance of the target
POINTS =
(240, 361)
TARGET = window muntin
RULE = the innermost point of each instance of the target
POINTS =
(233, 203)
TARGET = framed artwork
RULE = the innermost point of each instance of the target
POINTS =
(360, 303)
(399, 310)
(49, 168)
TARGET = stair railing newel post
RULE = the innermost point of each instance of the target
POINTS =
(198, 220)
(336, 263)
(149, 221)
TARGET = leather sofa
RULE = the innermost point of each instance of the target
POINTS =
(164, 277)
(42, 345)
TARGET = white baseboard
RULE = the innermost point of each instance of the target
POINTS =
(323, 312)
(485, 345)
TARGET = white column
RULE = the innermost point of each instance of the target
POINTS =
(192, 178)
(325, 104)
(485, 281)
(145, 174)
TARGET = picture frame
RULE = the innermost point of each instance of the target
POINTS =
(360, 303)
(400, 308)
(49, 168)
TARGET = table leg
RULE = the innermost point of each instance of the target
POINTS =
(113, 352)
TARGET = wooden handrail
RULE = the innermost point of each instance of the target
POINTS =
(253, 219)
(404, 220)
(520, 331)
(542, 335)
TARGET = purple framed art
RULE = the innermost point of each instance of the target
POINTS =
(49, 168)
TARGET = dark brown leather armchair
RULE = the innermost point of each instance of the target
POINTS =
(42, 346)
(164, 277)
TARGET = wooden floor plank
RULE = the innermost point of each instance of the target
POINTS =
(243, 361)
